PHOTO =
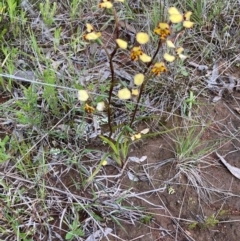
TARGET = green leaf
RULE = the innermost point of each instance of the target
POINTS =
(69, 236)
(97, 169)
(110, 143)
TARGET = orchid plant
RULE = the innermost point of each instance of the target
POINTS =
(152, 68)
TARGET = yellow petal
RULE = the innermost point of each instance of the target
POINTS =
(157, 31)
(92, 36)
(106, 5)
(179, 50)
(173, 11)
(182, 56)
(175, 15)
(188, 24)
(138, 136)
(176, 18)
(163, 26)
(142, 38)
(124, 94)
(104, 162)
(160, 65)
(121, 1)
(159, 68)
(88, 108)
(99, 34)
(170, 44)
(169, 57)
(82, 95)
(145, 58)
(121, 43)
(100, 106)
(135, 92)
(136, 49)
(187, 15)
(89, 27)
(138, 79)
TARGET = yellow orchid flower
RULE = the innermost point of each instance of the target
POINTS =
(187, 23)
(135, 53)
(163, 30)
(179, 53)
(91, 34)
(176, 17)
(159, 68)
(105, 4)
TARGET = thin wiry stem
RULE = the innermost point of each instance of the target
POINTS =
(112, 73)
(145, 82)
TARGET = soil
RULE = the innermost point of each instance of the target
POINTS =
(186, 207)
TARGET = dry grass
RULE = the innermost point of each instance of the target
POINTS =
(52, 146)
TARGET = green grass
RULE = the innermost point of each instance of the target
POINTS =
(3, 154)
(192, 153)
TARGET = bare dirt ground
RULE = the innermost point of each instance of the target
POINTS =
(185, 205)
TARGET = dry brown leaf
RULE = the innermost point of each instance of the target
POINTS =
(234, 170)
(137, 160)
(127, 27)
(237, 110)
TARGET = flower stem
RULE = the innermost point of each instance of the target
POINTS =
(112, 73)
(145, 82)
